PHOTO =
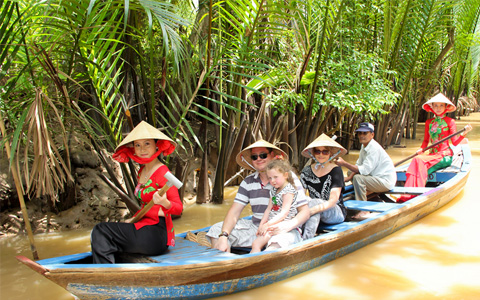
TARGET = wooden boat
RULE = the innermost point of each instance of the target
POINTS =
(192, 271)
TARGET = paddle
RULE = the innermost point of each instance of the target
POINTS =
(171, 181)
(429, 147)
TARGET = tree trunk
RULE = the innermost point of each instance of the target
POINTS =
(203, 189)
(218, 184)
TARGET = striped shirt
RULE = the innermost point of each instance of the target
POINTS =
(253, 192)
(288, 189)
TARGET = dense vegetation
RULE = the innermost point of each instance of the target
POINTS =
(216, 75)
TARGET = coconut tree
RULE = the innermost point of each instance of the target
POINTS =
(419, 39)
(241, 48)
(466, 54)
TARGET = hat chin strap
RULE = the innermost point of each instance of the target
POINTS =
(144, 161)
(243, 159)
(319, 164)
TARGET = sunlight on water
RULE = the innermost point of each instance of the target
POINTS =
(436, 258)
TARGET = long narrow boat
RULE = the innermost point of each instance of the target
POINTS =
(193, 271)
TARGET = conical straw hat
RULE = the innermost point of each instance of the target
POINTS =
(323, 141)
(144, 131)
(245, 154)
(442, 99)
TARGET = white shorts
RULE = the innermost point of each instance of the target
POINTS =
(286, 239)
(242, 235)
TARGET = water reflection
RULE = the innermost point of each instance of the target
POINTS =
(435, 258)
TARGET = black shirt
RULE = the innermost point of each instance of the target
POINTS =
(320, 187)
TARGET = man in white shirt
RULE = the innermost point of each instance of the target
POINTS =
(374, 170)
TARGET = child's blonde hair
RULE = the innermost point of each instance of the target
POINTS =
(282, 166)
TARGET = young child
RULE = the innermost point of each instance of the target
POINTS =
(440, 156)
(281, 207)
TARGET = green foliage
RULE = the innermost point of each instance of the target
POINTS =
(357, 83)
(100, 60)
(284, 101)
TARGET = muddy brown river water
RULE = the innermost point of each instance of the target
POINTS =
(437, 257)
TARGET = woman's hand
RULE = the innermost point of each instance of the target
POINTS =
(161, 200)
(420, 151)
(467, 128)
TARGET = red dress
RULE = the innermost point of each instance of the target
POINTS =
(435, 129)
(144, 192)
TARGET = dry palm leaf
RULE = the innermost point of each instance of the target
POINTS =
(49, 172)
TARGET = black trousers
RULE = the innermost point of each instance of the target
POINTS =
(109, 237)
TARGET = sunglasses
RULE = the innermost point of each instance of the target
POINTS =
(363, 132)
(261, 155)
(324, 152)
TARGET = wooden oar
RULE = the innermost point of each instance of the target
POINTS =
(429, 147)
(171, 181)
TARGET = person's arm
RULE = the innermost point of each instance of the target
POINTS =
(334, 196)
(458, 138)
(301, 217)
(170, 202)
(342, 163)
(349, 176)
(229, 223)
(162, 200)
(426, 137)
(287, 201)
(262, 227)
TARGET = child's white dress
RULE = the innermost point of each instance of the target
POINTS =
(293, 236)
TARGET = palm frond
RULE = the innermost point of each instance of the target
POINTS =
(48, 172)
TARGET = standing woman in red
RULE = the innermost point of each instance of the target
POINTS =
(440, 156)
(153, 233)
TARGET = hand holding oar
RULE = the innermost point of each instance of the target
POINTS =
(171, 181)
(433, 145)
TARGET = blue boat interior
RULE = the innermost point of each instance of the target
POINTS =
(187, 252)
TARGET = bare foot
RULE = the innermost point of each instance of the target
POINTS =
(362, 215)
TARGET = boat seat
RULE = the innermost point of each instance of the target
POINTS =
(409, 190)
(370, 205)
(340, 226)
(189, 252)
